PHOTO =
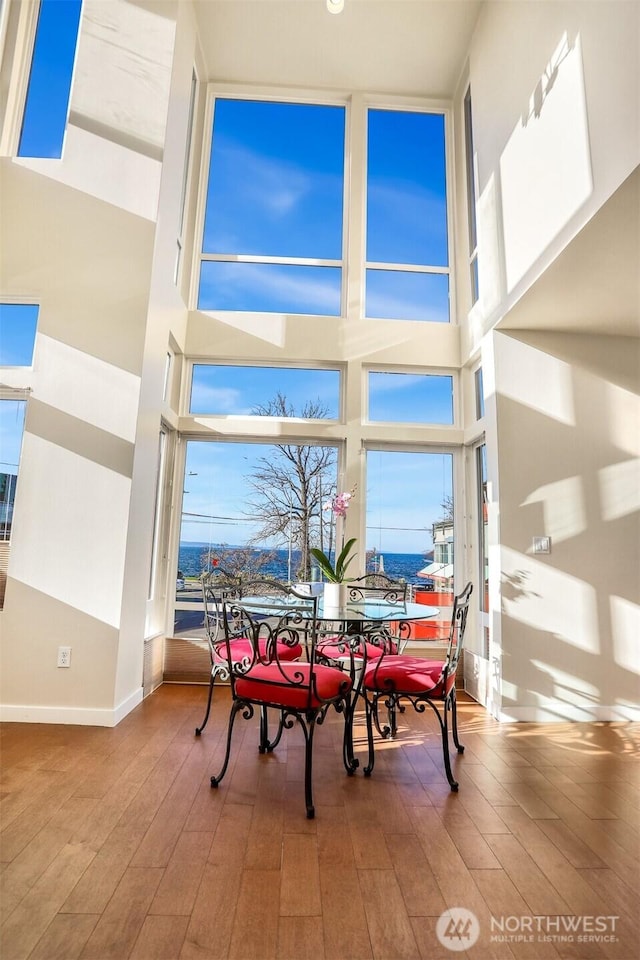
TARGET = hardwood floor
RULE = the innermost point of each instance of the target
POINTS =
(114, 845)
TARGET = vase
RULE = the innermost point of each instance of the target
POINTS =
(334, 596)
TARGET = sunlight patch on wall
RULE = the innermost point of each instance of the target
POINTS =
(620, 489)
(105, 170)
(545, 168)
(123, 72)
(73, 537)
(85, 387)
(625, 624)
(549, 601)
(624, 418)
(535, 379)
(563, 508)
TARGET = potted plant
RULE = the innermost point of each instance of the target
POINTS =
(335, 574)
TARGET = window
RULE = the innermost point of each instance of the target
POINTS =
(250, 507)
(471, 197)
(409, 515)
(479, 385)
(245, 391)
(18, 322)
(49, 90)
(410, 398)
(483, 522)
(274, 208)
(407, 275)
(185, 177)
(158, 512)
(168, 371)
(11, 429)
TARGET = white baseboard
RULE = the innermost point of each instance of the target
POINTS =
(80, 716)
(556, 712)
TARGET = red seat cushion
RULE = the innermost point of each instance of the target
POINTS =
(405, 674)
(241, 649)
(336, 647)
(265, 682)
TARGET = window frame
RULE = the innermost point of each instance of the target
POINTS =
(414, 105)
(32, 27)
(23, 302)
(269, 95)
(193, 362)
(456, 451)
(471, 196)
(19, 395)
(420, 371)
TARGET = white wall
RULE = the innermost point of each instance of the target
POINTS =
(91, 238)
(556, 110)
(568, 410)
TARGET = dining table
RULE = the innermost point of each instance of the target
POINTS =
(373, 619)
(365, 616)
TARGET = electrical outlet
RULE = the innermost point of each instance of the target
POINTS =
(64, 656)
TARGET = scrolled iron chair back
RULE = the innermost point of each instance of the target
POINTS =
(377, 586)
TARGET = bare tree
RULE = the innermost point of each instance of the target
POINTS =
(447, 507)
(239, 561)
(291, 484)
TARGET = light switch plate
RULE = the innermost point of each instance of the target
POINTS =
(542, 544)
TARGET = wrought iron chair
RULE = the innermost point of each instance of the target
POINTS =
(394, 677)
(395, 591)
(219, 586)
(388, 637)
(302, 691)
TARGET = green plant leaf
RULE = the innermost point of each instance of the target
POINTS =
(325, 564)
(344, 559)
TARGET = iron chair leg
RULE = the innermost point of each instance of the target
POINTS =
(444, 727)
(265, 745)
(308, 766)
(370, 710)
(207, 711)
(236, 706)
(350, 761)
(454, 722)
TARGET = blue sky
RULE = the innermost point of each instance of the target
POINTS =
(404, 495)
(276, 189)
(45, 114)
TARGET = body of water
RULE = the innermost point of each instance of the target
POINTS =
(396, 565)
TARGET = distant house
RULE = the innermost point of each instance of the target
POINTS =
(7, 497)
(440, 570)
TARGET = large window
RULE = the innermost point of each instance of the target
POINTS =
(273, 391)
(285, 232)
(409, 514)
(410, 398)
(483, 522)
(11, 428)
(407, 276)
(253, 508)
(18, 323)
(471, 197)
(274, 209)
(47, 103)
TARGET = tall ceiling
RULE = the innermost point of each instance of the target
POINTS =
(390, 46)
(419, 48)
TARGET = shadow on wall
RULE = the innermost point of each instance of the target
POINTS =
(568, 470)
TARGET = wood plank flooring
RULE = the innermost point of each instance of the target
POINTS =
(114, 845)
